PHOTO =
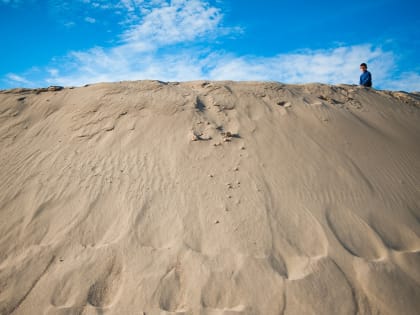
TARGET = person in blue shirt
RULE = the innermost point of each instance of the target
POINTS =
(366, 76)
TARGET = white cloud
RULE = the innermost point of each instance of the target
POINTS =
(163, 44)
(17, 79)
(13, 3)
(406, 81)
(139, 54)
(53, 72)
(131, 5)
(90, 20)
(179, 21)
(69, 24)
(336, 65)
(130, 11)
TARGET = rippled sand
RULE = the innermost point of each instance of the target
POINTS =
(209, 198)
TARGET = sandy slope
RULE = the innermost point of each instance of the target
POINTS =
(209, 198)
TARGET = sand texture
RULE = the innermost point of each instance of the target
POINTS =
(209, 198)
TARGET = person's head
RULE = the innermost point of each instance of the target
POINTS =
(363, 67)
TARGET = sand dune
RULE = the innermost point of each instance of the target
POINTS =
(209, 198)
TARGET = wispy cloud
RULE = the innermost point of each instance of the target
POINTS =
(15, 78)
(164, 40)
(90, 20)
(180, 21)
(406, 81)
(141, 50)
(13, 3)
(337, 65)
(334, 65)
(126, 11)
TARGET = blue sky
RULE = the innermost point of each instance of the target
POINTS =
(52, 42)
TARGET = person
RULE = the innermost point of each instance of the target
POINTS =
(366, 76)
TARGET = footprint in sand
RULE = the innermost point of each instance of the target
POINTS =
(103, 291)
(237, 310)
(21, 278)
(395, 231)
(234, 288)
(310, 241)
(355, 235)
(391, 289)
(103, 284)
(314, 294)
(219, 292)
(409, 262)
(297, 249)
(170, 293)
(296, 252)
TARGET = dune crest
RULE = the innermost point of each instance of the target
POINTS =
(209, 198)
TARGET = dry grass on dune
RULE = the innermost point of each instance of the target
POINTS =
(209, 198)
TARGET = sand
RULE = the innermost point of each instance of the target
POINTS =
(209, 198)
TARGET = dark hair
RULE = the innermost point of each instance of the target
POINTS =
(363, 65)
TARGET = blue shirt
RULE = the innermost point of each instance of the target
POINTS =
(366, 79)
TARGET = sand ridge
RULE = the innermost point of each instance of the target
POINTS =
(206, 197)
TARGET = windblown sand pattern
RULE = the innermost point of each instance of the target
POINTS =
(209, 198)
